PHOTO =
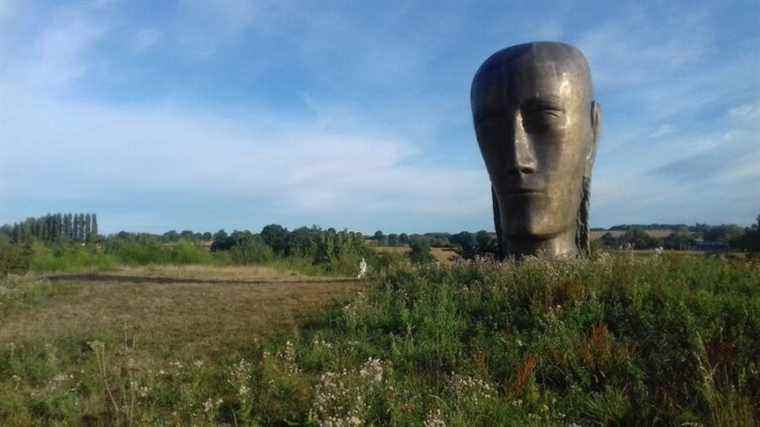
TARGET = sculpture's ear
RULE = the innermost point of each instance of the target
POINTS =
(596, 128)
(497, 224)
(596, 119)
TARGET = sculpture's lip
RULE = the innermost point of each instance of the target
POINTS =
(523, 192)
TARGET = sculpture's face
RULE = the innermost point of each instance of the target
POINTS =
(533, 112)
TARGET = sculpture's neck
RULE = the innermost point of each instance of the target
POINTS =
(558, 246)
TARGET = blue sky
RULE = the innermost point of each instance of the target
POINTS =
(240, 113)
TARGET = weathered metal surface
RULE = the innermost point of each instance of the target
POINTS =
(537, 126)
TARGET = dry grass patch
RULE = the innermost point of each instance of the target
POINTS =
(193, 317)
(213, 273)
(162, 345)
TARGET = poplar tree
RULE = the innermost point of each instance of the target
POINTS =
(87, 228)
(95, 225)
(67, 226)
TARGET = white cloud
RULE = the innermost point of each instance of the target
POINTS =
(55, 58)
(99, 152)
(202, 27)
(146, 39)
(105, 4)
(662, 130)
(747, 114)
(638, 49)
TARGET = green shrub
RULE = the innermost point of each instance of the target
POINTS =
(15, 259)
(420, 253)
(70, 258)
(146, 253)
(251, 251)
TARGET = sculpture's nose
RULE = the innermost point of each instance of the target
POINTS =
(521, 157)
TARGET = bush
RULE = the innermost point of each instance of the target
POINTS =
(146, 253)
(71, 258)
(420, 253)
(15, 259)
(251, 251)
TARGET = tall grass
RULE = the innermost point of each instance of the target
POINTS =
(608, 341)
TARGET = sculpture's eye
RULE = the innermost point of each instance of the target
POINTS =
(540, 117)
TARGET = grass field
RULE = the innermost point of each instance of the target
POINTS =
(615, 340)
(146, 320)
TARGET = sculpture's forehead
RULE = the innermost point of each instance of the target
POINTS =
(514, 77)
(509, 77)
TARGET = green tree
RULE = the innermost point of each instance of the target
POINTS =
(95, 225)
(679, 240)
(87, 227)
(276, 236)
(487, 243)
(466, 243)
(420, 253)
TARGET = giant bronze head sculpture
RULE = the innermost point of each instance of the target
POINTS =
(537, 125)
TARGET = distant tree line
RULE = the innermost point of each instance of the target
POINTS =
(682, 237)
(697, 237)
(188, 235)
(50, 228)
(701, 229)
(340, 249)
(329, 250)
(467, 244)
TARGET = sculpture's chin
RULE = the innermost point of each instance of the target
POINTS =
(534, 229)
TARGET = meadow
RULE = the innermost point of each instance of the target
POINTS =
(653, 340)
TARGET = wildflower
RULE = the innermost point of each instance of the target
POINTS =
(321, 344)
(288, 356)
(435, 419)
(211, 405)
(16, 379)
(373, 369)
(341, 398)
(143, 391)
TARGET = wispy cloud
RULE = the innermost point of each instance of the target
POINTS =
(146, 39)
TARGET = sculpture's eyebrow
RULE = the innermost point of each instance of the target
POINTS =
(545, 102)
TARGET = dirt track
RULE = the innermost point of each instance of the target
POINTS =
(116, 278)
